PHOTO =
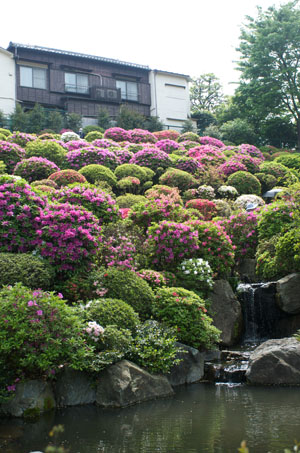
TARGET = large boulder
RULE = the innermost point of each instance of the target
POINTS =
(275, 362)
(191, 367)
(125, 383)
(247, 271)
(30, 399)
(288, 293)
(227, 313)
(74, 388)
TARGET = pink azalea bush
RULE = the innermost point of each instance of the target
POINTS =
(206, 207)
(154, 279)
(117, 134)
(65, 177)
(152, 158)
(123, 155)
(76, 144)
(168, 146)
(19, 207)
(21, 138)
(67, 236)
(207, 154)
(188, 164)
(117, 250)
(167, 134)
(35, 168)
(141, 136)
(252, 151)
(230, 167)
(251, 163)
(99, 202)
(11, 154)
(104, 143)
(91, 155)
(211, 141)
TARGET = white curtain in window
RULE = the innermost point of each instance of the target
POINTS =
(122, 85)
(39, 78)
(25, 76)
(132, 91)
(82, 83)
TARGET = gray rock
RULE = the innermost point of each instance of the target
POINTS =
(190, 369)
(288, 293)
(125, 383)
(275, 362)
(247, 271)
(227, 312)
(74, 388)
(31, 398)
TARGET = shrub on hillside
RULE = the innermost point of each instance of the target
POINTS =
(169, 134)
(135, 171)
(187, 164)
(152, 158)
(168, 146)
(275, 218)
(244, 183)
(283, 175)
(93, 135)
(206, 207)
(68, 136)
(47, 149)
(154, 210)
(87, 156)
(212, 141)
(141, 136)
(189, 136)
(65, 177)
(129, 199)
(95, 173)
(178, 178)
(117, 134)
(35, 168)
(21, 138)
(195, 274)
(76, 144)
(11, 154)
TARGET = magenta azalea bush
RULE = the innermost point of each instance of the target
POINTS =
(230, 167)
(123, 155)
(154, 279)
(19, 208)
(104, 143)
(21, 138)
(251, 163)
(76, 144)
(117, 134)
(252, 151)
(206, 154)
(168, 146)
(117, 250)
(68, 236)
(65, 177)
(169, 243)
(169, 134)
(141, 136)
(211, 141)
(91, 155)
(35, 168)
(152, 158)
(188, 164)
(11, 154)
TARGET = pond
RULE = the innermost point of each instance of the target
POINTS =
(199, 418)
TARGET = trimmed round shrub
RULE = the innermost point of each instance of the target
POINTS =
(275, 218)
(94, 173)
(189, 136)
(2, 137)
(100, 203)
(251, 163)
(129, 184)
(267, 181)
(141, 136)
(69, 136)
(122, 171)
(154, 210)
(161, 191)
(5, 132)
(230, 167)
(126, 285)
(206, 207)
(251, 150)
(19, 208)
(288, 252)
(207, 155)
(117, 134)
(289, 160)
(93, 135)
(152, 158)
(123, 155)
(68, 236)
(223, 208)
(184, 310)
(212, 141)
(45, 182)
(25, 268)
(178, 178)
(43, 188)
(76, 144)
(11, 154)
(245, 182)
(21, 138)
(195, 273)
(154, 278)
(129, 199)
(88, 156)
(35, 168)
(168, 146)
(206, 192)
(243, 200)
(112, 312)
(104, 143)
(169, 134)
(65, 177)
(227, 191)
(283, 175)
(187, 164)
(47, 149)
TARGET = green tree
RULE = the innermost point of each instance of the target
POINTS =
(73, 121)
(19, 119)
(153, 124)
(2, 119)
(279, 132)
(55, 121)
(36, 119)
(270, 64)
(203, 119)
(129, 119)
(188, 126)
(205, 93)
(238, 131)
(104, 120)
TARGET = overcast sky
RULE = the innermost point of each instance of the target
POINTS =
(188, 36)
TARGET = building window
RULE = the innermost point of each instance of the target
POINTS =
(33, 77)
(76, 83)
(129, 90)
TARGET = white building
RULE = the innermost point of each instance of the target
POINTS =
(170, 98)
(7, 82)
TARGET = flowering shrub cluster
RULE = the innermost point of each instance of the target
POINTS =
(227, 192)
(117, 250)
(94, 330)
(90, 155)
(130, 184)
(195, 273)
(168, 146)
(206, 154)
(104, 143)
(100, 203)
(251, 163)
(49, 150)
(152, 158)
(65, 177)
(95, 173)
(68, 236)
(211, 141)
(206, 207)
(189, 136)
(188, 164)
(123, 155)
(117, 134)
(35, 168)
(169, 134)
(230, 167)
(141, 136)
(160, 191)
(19, 207)
(245, 183)
(93, 135)
(21, 138)
(178, 178)
(154, 210)
(169, 243)
(69, 136)
(11, 154)
(76, 144)
(243, 201)
(154, 279)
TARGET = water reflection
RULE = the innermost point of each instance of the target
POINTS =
(199, 418)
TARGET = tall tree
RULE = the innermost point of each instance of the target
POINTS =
(205, 93)
(270, 64)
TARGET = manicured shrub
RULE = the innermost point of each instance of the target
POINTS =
(169, 134)
(289, 160)
(129, 199)
(117, 249)
(94, 173)
(65, 177)
(25, 268)
(223, 208)
(154, 210)
(169, 243)
(251, 150)
(244, 183)
(90, 155)
(68, 136)
(123, 155)
(230, 167)
(228, 192)
(189, 136)
(212, 141)
(21, 138)
(11, 154)
(129, 184)
(283, 175)
(275, 218)
(112, 312)
(93, 135)
(206, 207)
(287, 255)
(168, 146)
(184, 310)
(267, 181)
(76, 144)
(67, 236)
(251, 163)
(43, 188)
(2, 167)
(188, 164)
(45, 182)
(207, 155)
(117, 134)
(195, 274)
(5, 132)
(154, 279)
(19, 208)
(178, 178)
(126, 285)
(2, 137)
(141, 136)
(104, 143)
(160, 191)
(47, 149)
(244, 200)
(152, 158)
(122, 171)
(35, 168)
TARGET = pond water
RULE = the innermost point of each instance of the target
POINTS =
(199, 418)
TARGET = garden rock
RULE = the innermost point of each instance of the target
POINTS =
(288, 290)
(275, 362)
(247, 271)
(125, 383)
(31, 398)
(74, 388)
(227, 313)
(190, 369)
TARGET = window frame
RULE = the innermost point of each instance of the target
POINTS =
(128, 96)
(76, 86)
(33, 78)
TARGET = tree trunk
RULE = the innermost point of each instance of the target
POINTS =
(298, 135)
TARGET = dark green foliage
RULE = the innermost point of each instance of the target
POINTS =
(104, 121)
(36, 119)
(19, 119)
(153, 124)
(55, 121)
(91, 128)
(73, 121)
(129, 199)
(27, 269)
(130, 119)
(244, 183)
(49, 150)
(238, 131)
(206, 93)
(94, 173)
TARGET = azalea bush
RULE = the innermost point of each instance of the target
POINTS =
(154, 279)
(86, 156)
(69, 136)
(95, 173)
(160, 191)
(152, 158)
(154, 210)
(141, 136)
(21, 138)
(169, 134)
(245, 183)
(178, 178)
(48, 150)
(168, 146)
(251, 163)
(123, 155)
(117, 134)
(195, 274)
(228, 192)
(129, 199)
(65, 177)
(207, 155)
(11, 154)
(117, 250)
(184, 310)
(206, 207)
(76, 144)
(35, 168)
(132, 170)
(104, 143)
(189, 136)
(93, 135)
(188, 164)
(243, 201)
(231, 166)
(275, 218)
(212, 141)
(251, 150)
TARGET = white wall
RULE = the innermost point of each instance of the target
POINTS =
(170, 99)
(7, 82)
